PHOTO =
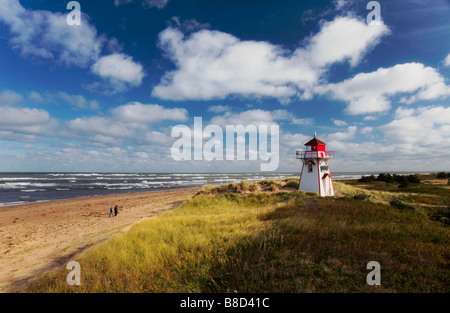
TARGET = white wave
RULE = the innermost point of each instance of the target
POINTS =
(2, 204)
(19, 179)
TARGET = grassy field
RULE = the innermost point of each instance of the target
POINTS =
(268, 237)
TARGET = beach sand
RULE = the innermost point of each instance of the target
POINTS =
(42, 236)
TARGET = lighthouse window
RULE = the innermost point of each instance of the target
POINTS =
(324, 168)
(310, 167)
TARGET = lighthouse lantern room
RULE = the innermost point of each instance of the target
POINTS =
(315, 175)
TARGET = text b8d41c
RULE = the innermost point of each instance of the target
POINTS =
(244, 302)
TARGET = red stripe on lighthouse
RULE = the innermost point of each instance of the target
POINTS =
(301, 173)
(318, 176)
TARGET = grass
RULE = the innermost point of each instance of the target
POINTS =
(267, 237)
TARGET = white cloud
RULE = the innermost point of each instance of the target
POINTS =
(47, 35)
(14, 136)
(370, 118)
(35, 96)
(155, 3)
(366, 130)
(148, 113)
(187, 26)
(344, 38)
(349, 134)
(302, 121)
(368, 93)
(295, 140)
(77, 101)
(339, 122)
(250, 117)
(9, 97)
(219, 108)
(258, 117)
(145, 3)
(25, 124)
(120, 70)
(121, 2)
(447, 60)
(214, 65)
(22, 116)
(426, 127)
(100, 125)
(127, 123)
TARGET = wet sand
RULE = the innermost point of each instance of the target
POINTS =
(41, 236)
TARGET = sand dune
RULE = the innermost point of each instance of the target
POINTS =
(40, 236)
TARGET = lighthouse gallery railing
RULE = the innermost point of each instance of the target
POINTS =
(300, 154)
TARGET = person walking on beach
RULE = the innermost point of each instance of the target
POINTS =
(111, 212)
(115, 210)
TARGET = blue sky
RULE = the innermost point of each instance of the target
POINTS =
(105, 95)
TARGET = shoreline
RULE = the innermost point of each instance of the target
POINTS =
(94, 196)
(37, 237)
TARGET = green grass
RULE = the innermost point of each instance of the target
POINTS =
(263, 241)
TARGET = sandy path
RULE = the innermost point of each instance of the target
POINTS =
(40, 236)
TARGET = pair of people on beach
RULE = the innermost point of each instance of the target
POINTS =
(113, 212)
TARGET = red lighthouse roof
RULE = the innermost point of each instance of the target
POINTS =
(315, 142)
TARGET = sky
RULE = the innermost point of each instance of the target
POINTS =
(107, 95)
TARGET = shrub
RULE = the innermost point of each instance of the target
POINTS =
(404, 184)
(401, 205)
(360, 196)
(292, 184)
(442, 175)
(413, 179)
(366, 179)
(386, 177)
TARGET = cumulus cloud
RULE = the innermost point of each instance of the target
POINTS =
(257, 117)
(187, 26)
(339, 122)
(219, 108)
(349, 134)
(47, 35)
(148, 113)
(25, 124)
(19, 123)
(100, 125)
(425, 127)
(120, 70)
(130, 123)
(447, 60)
(76, 101)
(366, 130)
(22, 116)
(214, 64)
(9, 97)
(368, 93)
(344, 38)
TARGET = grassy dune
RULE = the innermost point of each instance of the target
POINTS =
(267, 237)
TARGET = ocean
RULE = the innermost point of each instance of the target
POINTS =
(23, 188)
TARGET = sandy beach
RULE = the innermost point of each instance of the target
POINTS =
(41, 236)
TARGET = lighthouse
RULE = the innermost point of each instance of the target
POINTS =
(315, 175)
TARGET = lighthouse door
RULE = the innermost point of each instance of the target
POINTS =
(326, 184)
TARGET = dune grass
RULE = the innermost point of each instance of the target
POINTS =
(265, 241)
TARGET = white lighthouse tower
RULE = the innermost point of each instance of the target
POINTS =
(315, 175)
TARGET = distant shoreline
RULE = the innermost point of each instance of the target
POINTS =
(96, 196)
(30, 188)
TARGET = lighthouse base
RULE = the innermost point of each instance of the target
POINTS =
(315, 177)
